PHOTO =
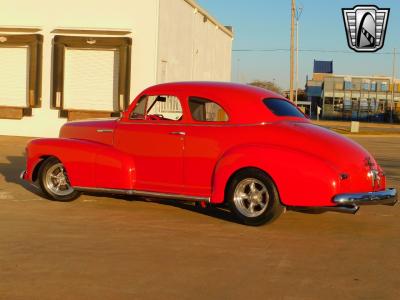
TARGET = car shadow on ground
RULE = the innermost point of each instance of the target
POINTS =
(11, 171)
(219, 212)
(216, 211)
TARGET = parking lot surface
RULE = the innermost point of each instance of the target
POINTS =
(100, 247)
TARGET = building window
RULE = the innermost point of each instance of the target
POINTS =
(91, 75)
(20, 75)
(347, 104)
(339, 84)
(373, 86)
(348, 85)
(365, 86)
(381, 105)
(356, 84)
(373, 105)
(338, 104)
(364, 105)
(384, 86)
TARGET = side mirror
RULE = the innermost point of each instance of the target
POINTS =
(161, 99)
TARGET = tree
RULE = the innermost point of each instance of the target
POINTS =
(268, 85)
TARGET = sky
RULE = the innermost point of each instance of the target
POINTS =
(265, 25)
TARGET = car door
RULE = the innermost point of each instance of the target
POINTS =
(207, 137)
(152, 134)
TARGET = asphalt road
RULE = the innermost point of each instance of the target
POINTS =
(121, 248)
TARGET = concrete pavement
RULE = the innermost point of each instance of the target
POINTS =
(365, 127)
(120, 248)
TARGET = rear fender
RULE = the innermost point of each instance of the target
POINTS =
(301, 179)
(88, 164)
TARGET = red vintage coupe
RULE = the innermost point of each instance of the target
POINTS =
(218, 143)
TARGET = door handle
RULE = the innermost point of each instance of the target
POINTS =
(178, 133)
(104, 130)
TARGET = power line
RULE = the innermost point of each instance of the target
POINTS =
(307, 50)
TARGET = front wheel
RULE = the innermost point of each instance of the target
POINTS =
(54, 181)
(253, 197)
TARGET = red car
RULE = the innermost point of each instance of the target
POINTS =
(218, 143)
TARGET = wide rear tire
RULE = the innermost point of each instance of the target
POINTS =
(253, 197)
(54, 181)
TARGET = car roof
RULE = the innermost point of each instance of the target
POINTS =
(242, 102)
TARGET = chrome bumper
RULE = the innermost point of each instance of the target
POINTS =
(22, 175)
(387, 197)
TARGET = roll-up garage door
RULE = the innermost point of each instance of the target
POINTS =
(91, 79)
(14, 76)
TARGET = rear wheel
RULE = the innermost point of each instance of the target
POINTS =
(54, 181)
(253, 197)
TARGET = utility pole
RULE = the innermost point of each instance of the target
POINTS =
(299, 11)
(238, 70)
(393, 75)
(292, 49)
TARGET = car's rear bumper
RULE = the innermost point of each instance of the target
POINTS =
(387, 197)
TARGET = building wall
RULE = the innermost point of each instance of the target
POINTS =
(171, 40)
(205, 56)
(137, 16)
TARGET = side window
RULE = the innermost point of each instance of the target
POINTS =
(158, 107)
(140, 109)
(205, 110)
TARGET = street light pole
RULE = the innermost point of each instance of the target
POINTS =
(292, 49)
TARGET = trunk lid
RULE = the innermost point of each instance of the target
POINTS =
(349, 158)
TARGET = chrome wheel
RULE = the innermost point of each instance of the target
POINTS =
(56, 180)
(251, 197)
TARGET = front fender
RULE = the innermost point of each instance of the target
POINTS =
(88, 164)
(301, 178)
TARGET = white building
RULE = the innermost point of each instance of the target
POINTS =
(65, 60)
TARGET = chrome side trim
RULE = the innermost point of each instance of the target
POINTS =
(387, 197)
(142, 193)
(101, 130)
(177, 123)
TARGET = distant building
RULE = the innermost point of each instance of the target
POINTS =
(350, 97)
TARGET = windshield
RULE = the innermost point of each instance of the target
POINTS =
(282, 108)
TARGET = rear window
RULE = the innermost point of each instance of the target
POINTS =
(282, 108)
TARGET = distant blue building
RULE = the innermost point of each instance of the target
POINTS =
(323, 66)
(314, 86)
